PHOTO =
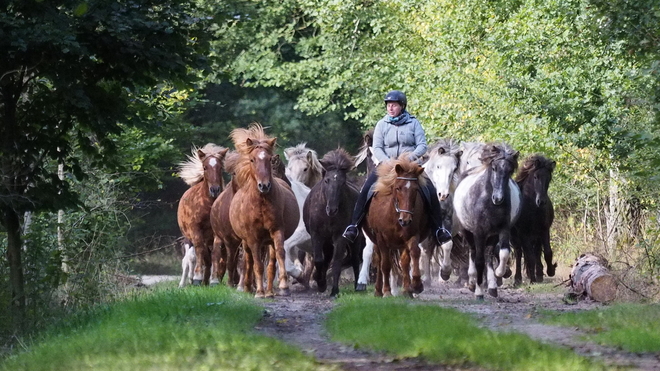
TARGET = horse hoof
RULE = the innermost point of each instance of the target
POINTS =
(492, 292)
(418, 289)
(517, 283)
(498, 280)
(445, 276)
(361, 287)
(472, 287)
(334, 292)
(321, 286)
(284, 292)
(378, 294)
(269, 295)
(387, 294)
(480, 298)
(213, 284)
(259, 295)
(507, 273)
(197, 282)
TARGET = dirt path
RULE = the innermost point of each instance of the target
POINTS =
(298, 319)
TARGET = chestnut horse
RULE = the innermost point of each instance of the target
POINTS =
(263, 212)
(396, 221)
(203, 172)
(530, 235)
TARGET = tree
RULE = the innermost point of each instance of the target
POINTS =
(73, 75)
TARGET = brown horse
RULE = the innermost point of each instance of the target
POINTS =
(396, 221)
(203, 172)
(263, 212)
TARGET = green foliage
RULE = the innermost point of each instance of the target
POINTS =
(441, 335)
(632, 327)
(165, 329)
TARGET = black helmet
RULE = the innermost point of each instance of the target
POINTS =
(396, 96)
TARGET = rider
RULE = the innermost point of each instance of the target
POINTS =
(396, 133)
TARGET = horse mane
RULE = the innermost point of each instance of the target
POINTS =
(495, 151)
(363, 151)
(301, 150)
(245, 141)
(337, 159)
(192, 170)
(448, 146)
(387, 174)
(532, 163)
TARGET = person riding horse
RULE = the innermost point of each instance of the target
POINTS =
(396, 133)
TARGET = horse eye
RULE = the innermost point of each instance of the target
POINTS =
(305, 169)
(327, 181)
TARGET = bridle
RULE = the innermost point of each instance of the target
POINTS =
(396, 202)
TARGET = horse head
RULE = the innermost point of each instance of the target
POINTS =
(303, 165)
(442, 167)
(534, 176)
(260, 160)
(335, 166)
(405, 189)
(212, 163)
(502, 161)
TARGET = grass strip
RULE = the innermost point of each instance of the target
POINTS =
(442, 335)
(629, 326)
(197, 328)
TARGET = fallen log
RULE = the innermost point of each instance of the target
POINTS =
(591, 277)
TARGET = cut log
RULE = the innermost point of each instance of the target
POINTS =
(590, 276)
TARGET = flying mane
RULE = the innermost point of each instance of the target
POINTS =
(530, 165)
(387, 174)
(245, 141)
(192, 170)
(492, 152)
(449, 146)
(338, 159)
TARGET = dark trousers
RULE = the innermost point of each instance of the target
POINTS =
(427, 192)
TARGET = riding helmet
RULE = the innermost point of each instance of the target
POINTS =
(396, 96)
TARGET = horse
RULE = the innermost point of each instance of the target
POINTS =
(366, 154)
(530, 235)
(442, 169)
(203, 172)
(327, 211)
(263, 212)
(303, 165)
(396, 221)
(187, 262)
(487, 205)
(226, 244)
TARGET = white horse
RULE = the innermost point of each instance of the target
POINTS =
(188, 262)
(442, 168)
(303, 170)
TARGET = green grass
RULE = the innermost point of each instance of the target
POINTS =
(632, 327)
(167, 329)
(441, 335)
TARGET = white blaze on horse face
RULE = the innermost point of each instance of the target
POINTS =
(213, 162)
(408, 185)
(261, 155)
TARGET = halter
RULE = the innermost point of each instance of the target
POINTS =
(396, 202)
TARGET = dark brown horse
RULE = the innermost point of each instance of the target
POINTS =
(396, 221)
(203, 172)
(326, 212)
(530, 236)
(263, 212)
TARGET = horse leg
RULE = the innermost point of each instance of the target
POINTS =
(445, 266)
(378, 286)
(198, 242)
(280, 256)
(297, 238)
(491, 279)
(232, 262)
(187, 265)
(428, 249)
(505, 252)
(339, 251)
(386, 269)
(547, 253)
(479, 264)
(218, 261)
(319, 263)
(517, 278)
(258, 265)
(270, 272)
(414, 253)
(366, 262)
(530, 260)
(248, 269)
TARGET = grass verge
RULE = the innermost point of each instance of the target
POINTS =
(632, 327)
(197, 328)
(442, 335)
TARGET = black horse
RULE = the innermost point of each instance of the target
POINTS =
(326, 213)
(530, 236)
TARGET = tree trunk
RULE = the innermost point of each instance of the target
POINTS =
(590, 277)
(13, 226)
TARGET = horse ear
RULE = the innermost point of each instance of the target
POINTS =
(419, 170)
(398, 169)
(515, 155)
(223, 152)
(288, 153)
(201, 155)
(310, 156)
(441, 151)
(459, 154)
(552, 165)
(272, 142)
(249, 142)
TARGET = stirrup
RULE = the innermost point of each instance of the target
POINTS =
(350, 233)
(442, 235)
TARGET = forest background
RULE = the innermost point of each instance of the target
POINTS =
(99, 100)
